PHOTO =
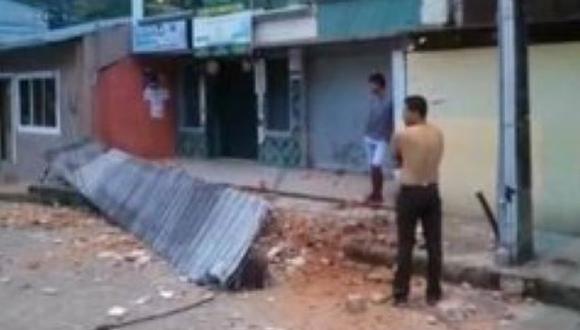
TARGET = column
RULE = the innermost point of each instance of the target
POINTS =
(514, 181)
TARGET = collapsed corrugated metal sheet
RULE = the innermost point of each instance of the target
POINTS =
(204, 230)
(63, 161)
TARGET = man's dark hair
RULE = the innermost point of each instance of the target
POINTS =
(417, 104)
(378, 79)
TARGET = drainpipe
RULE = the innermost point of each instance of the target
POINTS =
(514, 175)
(137, 10)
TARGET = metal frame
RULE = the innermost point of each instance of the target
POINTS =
(13, 122)
(181, 105)
(399, 84)
(514, 174)
(279, 133)
(32, 129)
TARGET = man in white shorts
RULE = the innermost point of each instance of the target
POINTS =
(378, 134)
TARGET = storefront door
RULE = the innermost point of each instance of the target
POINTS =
(232, 114)
(5, 120)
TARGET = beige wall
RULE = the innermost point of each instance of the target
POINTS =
(462, 86)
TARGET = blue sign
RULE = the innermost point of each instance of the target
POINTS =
(160, 37)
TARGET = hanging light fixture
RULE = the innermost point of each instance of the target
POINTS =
(212, 67)
(247, 65)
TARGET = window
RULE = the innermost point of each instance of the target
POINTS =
(190, 117)
(278, 95)
(38, 103)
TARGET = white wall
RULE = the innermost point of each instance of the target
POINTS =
(292, 29)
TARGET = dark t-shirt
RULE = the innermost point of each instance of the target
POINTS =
(380, 119)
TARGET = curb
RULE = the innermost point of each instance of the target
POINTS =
(19, 198)
(516, 282)
(46, 195)
(55, 195)
(479, 271)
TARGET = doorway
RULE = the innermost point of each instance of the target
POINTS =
(232, 114)
(5, 120)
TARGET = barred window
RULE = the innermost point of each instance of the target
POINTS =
(38, 102)
(278, 95)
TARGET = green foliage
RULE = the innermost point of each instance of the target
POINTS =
(66, 12)
(90, 10)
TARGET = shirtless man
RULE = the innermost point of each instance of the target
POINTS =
(419, 150)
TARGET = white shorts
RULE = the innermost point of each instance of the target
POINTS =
(377, 152)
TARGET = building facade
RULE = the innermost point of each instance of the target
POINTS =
(457, 68)
(283, 83)
(290, 88)
(47, 83)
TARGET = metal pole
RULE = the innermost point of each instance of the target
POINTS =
(514, 177)
(137, 10)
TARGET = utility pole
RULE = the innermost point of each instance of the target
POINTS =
(514, 175)
(137, 11)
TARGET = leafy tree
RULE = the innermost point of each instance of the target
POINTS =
(91, 10)
(66, 12)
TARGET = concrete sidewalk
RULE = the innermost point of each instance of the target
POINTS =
(16, 193)
(315, 183)
(553, 277)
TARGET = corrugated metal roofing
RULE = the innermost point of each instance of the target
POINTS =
(63, 161)
(60, 35)
(204, 230)
(17, 19)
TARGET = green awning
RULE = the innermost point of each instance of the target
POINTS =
(362, 18)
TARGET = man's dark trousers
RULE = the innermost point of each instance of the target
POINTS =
(416, 203)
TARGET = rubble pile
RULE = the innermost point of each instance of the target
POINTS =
(84, 236)
(346, 258)
(309, 243)
(454, 310)
(23, 215)
(108, 245)
(309, 252)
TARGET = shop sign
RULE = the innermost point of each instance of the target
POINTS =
(160, 37)
(222, 35)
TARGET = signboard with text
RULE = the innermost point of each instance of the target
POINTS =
(222, 35)
(160, 37)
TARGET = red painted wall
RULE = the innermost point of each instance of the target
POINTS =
(123, 118)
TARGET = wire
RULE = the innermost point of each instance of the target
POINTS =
(183, 309)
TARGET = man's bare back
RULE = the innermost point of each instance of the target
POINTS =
(420, 148)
